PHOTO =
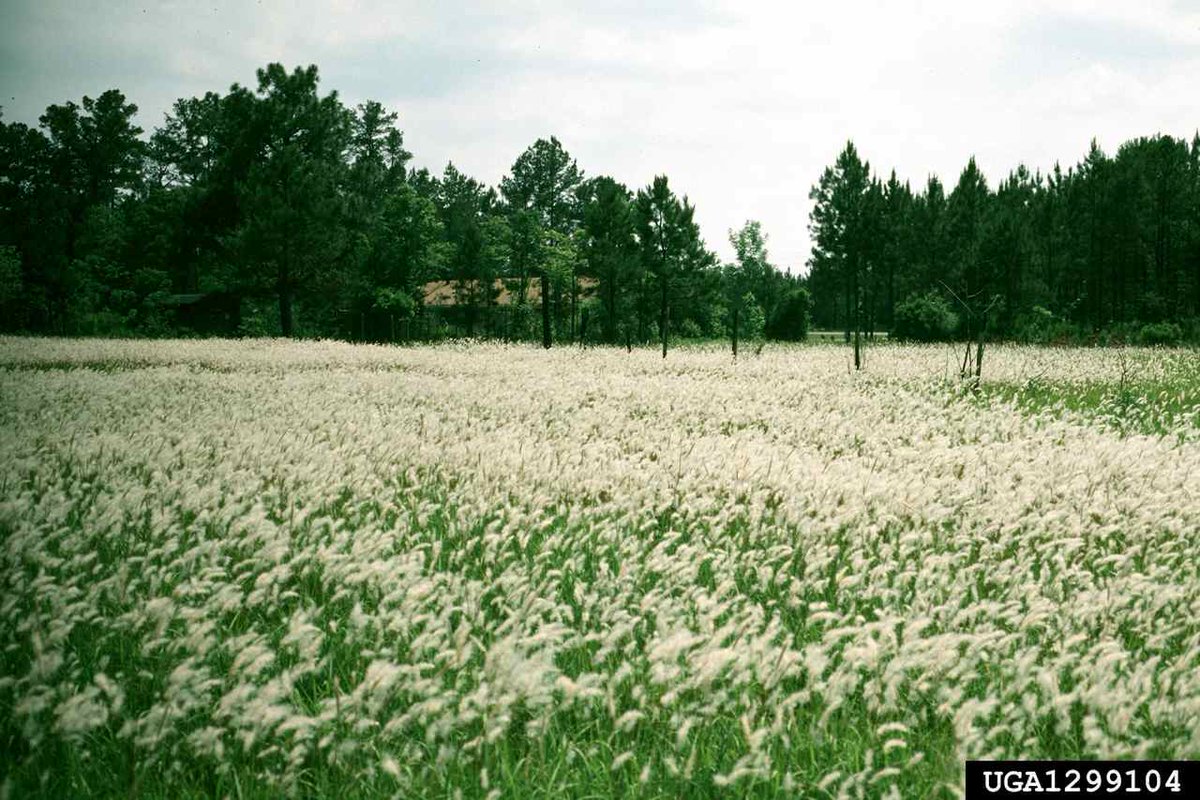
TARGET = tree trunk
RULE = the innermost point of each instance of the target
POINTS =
(285, 303)
(891, 295)
(850, 292)
(735, 324)
(610, 315)
(556, 318)
(663, 318)
(545, 311)
(574, 302)
(857, 325)
(979, 352)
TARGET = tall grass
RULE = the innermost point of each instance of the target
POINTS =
(253, 569)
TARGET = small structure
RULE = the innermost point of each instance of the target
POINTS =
(443, 294)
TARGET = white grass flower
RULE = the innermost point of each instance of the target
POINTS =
(283, 555)
(621, 760)
(628, 721)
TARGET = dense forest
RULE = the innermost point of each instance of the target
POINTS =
(1106, 251)
(278, 210)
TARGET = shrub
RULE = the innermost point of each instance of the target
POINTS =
(1191, 329)
(524, 322)
(260, 317)
(1034, 325)
(752, 323)
(924, 318)
(14, 301)
(1160, 333)
(396, 302)
(591, 320)
(689, 329)
(789, 321)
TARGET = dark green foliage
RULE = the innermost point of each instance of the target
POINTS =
(1089, 254)
(924, 318)
(290, 214)
(276, 210)
(1039, 324)
(88, 156)
(683, 292)
(279, 196)
(541, 191)
(544, 180)
(610, 251)
(11, 283)
(840, 225)
(1164, 333)
(789, 320)
(291, 206)
(762, 301)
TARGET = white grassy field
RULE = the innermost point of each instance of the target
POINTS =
(251, 568)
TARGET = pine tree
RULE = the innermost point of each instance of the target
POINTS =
(840, 226)
(543, 181)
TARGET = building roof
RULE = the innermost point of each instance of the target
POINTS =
(445, 293)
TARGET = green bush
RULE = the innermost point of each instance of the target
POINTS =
(260, 317)
(924, 318)
(1191, 330)
(524, 322)
(689, 329)
(591, 320)
(753, 322)
(13, 311)
(1160, 333)
(397, 302)
(1036, 325)
(713, 318)
(789, 321)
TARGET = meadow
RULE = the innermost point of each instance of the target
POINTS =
(264, 568)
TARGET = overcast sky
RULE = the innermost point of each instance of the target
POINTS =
(741, 104)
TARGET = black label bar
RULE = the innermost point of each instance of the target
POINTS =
(1075, 780)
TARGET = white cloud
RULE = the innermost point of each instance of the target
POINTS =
(741, 104)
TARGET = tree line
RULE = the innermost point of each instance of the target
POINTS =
(308, 218)
(308, 214)
(1107, 250)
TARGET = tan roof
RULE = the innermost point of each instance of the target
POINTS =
(445, 293)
